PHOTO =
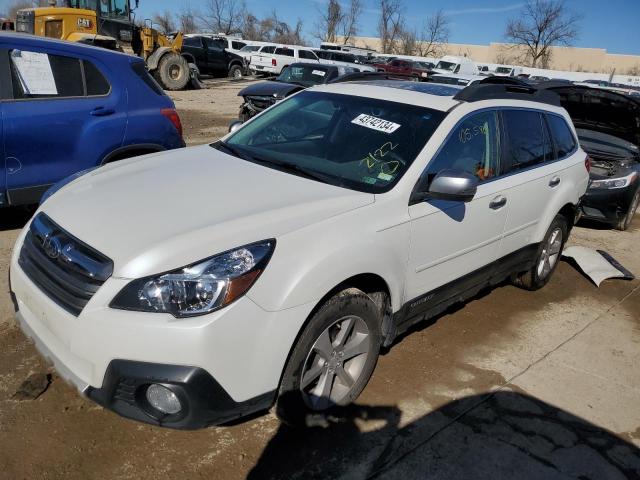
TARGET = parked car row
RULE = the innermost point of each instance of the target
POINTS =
(364, 208)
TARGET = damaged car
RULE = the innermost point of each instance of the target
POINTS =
(294, 78)
(608, 128)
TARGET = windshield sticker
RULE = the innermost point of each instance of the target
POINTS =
(369, 180)
(375, 123)
(34, 72)
(385, 176)
(318, 72)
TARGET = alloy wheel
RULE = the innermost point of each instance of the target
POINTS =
(550, 254)
(335, 363)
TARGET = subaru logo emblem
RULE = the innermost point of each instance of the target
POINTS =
(52, 247)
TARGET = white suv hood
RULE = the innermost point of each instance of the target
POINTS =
(159, 212)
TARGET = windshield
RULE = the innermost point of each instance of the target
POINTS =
(450, 66)
(360, 143)
(503, 70)
(307, 75)
(250, 48)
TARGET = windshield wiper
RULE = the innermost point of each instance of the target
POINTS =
(283, 166)
(234, 151)
(298, 170)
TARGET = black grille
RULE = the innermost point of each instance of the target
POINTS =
(259, 103)
(67, 270)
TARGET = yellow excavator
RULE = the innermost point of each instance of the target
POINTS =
(110, 24)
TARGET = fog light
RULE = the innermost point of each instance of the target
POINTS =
(163, 399)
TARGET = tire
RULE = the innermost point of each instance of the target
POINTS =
(625, 221)
(172, 72)
(550, 249)
(320, 358)
(235, 71)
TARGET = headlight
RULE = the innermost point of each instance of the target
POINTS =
(611, 183)
(65, 181)
(199, 288)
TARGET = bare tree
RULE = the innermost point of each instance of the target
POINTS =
(165, 21)
(390, 24)
(407, 42)
(187, 19)
(330, 19)
(434, 36)
(222, 16)
(541, 25)
(350, 20)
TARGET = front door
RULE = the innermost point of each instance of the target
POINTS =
(453, 244)
(64, 117)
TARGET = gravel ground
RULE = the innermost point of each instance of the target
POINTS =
(514, 384)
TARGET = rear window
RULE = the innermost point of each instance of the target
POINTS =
(527, 141)
(237, 45)
(97, 84)
(141, 70)
(562, 136)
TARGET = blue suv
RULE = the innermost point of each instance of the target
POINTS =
(66, 107)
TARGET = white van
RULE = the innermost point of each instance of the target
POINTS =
(451, 64)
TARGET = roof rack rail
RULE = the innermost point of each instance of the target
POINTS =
(356, 76)
(495, 88)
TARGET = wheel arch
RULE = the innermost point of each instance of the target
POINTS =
(372, 285)
(130, 151)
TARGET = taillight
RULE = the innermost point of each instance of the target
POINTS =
(274, 63)
(173, 117)
(587, 163)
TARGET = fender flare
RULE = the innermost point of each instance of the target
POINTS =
(154, 58)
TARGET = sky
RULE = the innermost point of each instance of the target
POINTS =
(610, 24)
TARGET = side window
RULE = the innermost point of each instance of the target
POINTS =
(269, 49)
(395, 63)
(217, 44)
(39, 75)
(527, 143)
(97, 84)
(474, 146)
(561, 133)
(284, 51)
(237, 45)
(193, 42)
(307, 54)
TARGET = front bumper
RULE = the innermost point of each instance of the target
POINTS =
(607, 205)
(224, 365)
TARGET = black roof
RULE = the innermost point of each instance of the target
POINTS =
(495, 88)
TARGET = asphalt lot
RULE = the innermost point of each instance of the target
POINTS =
(513, 384)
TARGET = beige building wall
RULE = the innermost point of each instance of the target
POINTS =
(563, 58)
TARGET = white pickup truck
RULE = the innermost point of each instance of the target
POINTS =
(283, 56)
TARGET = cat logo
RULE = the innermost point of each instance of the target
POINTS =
(84, 22)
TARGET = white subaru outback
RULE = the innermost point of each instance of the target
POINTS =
(192, 287)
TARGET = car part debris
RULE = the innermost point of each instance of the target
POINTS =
(598, 265)
(33, 386)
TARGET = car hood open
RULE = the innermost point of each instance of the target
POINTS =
(159, 212)
(271, 89)
(600, 110)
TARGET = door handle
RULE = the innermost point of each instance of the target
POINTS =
(102, 112)
(498, 202)
(554, 182)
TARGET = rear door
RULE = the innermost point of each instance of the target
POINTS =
(57, 123)
(216, 58)
(534, 176)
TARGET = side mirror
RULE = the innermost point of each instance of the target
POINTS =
(453, 184)
(235, 125)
